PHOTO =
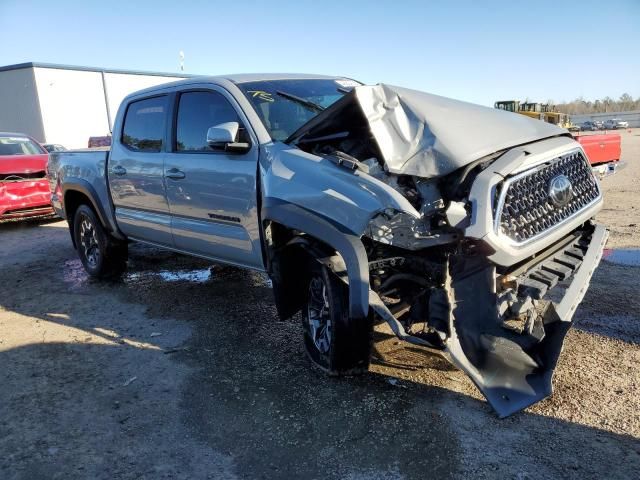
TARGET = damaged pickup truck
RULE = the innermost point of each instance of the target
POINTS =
(467, 229)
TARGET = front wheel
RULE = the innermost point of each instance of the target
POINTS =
(337, 344)
(101, 255)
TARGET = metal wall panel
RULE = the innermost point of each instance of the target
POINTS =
(66, 105)
(72, 105)
(119, 85)
(19, 108)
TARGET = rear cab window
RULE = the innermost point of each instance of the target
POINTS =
(144, 124)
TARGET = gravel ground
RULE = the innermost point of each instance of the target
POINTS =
(182, 370)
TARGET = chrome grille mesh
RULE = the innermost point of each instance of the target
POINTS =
(526, 209)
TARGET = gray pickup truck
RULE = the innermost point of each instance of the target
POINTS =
(467, 229)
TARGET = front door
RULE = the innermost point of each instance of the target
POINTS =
(212, 193)
(136, 172)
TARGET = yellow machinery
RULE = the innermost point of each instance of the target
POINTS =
(539, 111)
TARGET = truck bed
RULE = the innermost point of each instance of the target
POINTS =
(84, 170)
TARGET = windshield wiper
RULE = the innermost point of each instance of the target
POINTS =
(307, 103)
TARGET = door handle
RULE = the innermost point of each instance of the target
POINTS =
(174, 174)
(119, 170)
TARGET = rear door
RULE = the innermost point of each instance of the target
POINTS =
(136, 172)
(212, 193)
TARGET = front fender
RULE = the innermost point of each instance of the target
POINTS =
(311, 194)
(347, 198)
(345, 243)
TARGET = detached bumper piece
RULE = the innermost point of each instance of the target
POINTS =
(559, 266)
(514, 369)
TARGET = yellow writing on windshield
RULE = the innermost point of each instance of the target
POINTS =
(262, 95)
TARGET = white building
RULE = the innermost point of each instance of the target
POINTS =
(66, 104)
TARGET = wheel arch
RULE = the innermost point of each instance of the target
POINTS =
(76, 192)
(288, 218)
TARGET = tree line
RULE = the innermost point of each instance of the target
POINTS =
(607, 104)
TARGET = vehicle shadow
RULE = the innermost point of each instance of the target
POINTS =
(404, 356)
(18, 224)
(249, 393)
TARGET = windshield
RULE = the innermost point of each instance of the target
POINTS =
(286, 105)
(19, 146)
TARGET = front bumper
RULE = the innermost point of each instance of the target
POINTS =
(512, 369)
(23, 199)
(510, 373)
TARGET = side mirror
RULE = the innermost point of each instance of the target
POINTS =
(223, 137)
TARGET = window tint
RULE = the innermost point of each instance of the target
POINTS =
(144, 124)
(197, 112)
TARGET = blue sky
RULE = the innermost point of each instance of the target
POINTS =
(476, 51)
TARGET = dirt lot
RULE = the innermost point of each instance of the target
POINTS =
(182, 370)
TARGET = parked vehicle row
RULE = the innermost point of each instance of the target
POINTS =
(449, 221)
(592, 126)
(615, 123)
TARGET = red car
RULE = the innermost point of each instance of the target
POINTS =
(24, 190)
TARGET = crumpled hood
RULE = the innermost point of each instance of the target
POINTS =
(426, 135)
(22, 163)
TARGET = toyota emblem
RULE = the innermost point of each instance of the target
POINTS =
(560, 190)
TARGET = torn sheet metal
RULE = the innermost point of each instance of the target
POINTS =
(510, 374)
(426, 135)
(510, 371)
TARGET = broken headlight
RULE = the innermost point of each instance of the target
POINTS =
(393, 227)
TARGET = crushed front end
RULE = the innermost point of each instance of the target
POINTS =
(511, 257)
(496, 247)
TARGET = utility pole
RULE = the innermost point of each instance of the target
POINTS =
(181, 55)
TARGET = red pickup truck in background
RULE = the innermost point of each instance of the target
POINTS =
(24, 190)
(603, 151)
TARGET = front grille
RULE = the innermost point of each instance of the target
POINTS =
(526, 209)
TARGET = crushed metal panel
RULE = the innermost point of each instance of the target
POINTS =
(427, 135)
(421, 134)
(509, 376)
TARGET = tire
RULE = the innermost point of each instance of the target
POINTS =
(101, 255)
(335, 343)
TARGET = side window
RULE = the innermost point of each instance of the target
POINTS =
(197, 112)
(143, 129)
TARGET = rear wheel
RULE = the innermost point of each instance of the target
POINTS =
(101, 255)
(337, 344)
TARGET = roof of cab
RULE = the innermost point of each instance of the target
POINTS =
(255, 77)
(236, 79)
